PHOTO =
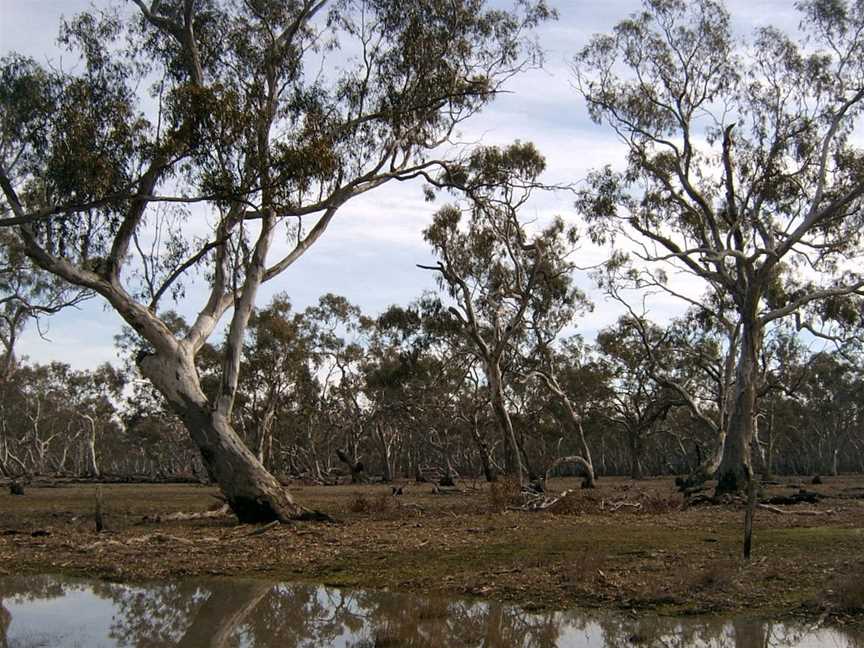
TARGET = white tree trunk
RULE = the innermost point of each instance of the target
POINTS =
(253, 493)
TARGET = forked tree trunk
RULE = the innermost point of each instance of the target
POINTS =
(490, 470)
(90, 448)
(736, 464)
(264, 444)
(384, 447)
(253, 494)
(499, 407)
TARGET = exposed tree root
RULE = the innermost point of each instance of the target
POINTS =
(308, 515)
(222, 511)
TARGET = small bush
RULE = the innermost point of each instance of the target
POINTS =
(715, 577)
(660, 503)
(503, 493)
(848, 593)
(381, 503)
(583, 569)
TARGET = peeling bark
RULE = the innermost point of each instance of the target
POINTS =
(736, 464)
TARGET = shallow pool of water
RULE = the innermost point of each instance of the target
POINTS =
(54, 611)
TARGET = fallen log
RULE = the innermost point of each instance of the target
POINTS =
(540, 502)
(805, 496)
(612, 507)
(222, 511)
(779, 511)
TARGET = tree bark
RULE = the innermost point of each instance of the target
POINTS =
(90, 452)
(490, 471)
(384, 447)
(636, 471)
(736, 463)
(253, 494)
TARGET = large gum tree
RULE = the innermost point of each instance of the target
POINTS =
(744, 172)
(193, 133)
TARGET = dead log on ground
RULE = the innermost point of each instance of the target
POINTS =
(540, 502)
(779, 511)
(802, 496)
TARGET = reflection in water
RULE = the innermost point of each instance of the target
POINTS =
(50, 611)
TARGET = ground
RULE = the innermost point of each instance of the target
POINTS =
(595, 548)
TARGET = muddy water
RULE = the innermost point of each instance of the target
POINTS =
(52, 611)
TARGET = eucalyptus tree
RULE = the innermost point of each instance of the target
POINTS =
(236, 121)
(830, 398)
(637, 403)
(277, 355)
(509, 287)
(742, 169)
(337, 331)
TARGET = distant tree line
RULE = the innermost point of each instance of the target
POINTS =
(331, 394)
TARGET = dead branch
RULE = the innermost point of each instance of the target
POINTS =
(779, 511)
(222, 511)
(612, 507)
(539, 502)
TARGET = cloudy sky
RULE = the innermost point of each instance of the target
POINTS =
(370, 253)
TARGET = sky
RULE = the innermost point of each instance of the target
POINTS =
(370, 252)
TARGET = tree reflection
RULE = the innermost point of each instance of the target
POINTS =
(230, 614)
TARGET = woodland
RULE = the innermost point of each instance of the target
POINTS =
(257, 122)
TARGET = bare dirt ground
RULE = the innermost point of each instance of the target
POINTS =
(627, 544)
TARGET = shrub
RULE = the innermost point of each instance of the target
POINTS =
(381, 503)
(503, 493)
(848, 593)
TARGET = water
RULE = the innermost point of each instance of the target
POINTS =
(53, 611)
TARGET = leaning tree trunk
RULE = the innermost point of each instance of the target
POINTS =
(253, 494)
(736, 464)
(223, 613)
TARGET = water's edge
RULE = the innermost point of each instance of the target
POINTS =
(69, 611)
